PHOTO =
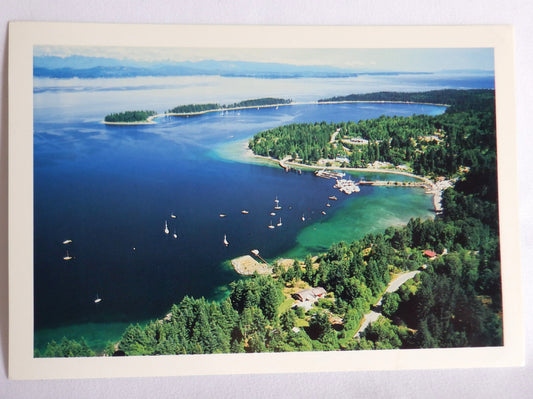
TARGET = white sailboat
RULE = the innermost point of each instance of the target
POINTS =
(279, 224)
(175, 235)
(172, 215)
(166, 228)
(226, 243)
(67, 242)
(303, 218)
(271, 226)
(277, 203)
(98, 299)
(67, 256)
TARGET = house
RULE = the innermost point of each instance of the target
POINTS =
(430, 254)
(310, 294)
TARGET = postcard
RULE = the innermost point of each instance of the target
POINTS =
(190, 200)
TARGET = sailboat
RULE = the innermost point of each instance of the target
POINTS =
(67, 256)
(303, 218)
(172, 215)
(67, 242)
(277, 203)
(98, 299)
(271, 226)
(279, 224)
(226, 243)
(166, 228)
(175, 235)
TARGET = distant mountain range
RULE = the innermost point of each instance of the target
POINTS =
(94, 67)
(97, 67)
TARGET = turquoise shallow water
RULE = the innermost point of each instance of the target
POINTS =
(364, 213)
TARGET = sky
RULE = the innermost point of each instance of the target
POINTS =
(361, 60)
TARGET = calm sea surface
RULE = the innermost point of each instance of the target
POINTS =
(111, 189)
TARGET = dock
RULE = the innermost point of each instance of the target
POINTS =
(329, 174)
(393, 183)
(284, 165)
(246, 265)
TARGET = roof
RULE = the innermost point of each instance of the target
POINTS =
(310, 294)
(429, 253)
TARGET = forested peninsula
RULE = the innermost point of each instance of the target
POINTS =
(139, 117)
(454, 301)
(463, 137)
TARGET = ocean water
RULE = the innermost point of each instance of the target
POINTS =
(111, 189)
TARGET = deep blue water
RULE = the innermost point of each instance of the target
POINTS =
(110, 190)
(112, 195)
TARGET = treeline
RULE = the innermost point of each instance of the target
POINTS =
(129, 116)
(259, 102)
(430, 145)
(66, 348)
(473, 100)
(196, 108)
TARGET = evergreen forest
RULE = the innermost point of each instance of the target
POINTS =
(129, 116)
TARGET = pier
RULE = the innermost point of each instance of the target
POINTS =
(394, 183)
(284, 165)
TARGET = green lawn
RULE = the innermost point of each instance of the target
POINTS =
(285, 305)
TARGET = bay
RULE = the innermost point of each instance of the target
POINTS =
(111, 189)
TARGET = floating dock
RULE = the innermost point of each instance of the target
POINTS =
(329, 174)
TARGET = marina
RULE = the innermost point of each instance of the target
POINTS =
(347, 186)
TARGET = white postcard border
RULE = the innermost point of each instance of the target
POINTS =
(24, 35)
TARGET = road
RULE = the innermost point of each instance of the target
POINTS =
(393, 286)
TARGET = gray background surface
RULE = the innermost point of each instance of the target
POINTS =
(460, 383)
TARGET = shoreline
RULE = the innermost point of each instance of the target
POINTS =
(433, 189)
(150, 119)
